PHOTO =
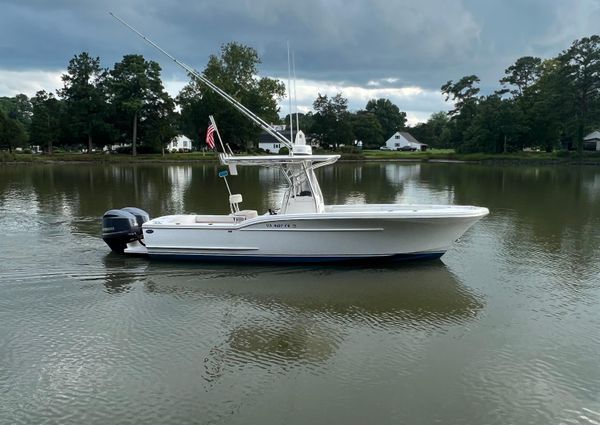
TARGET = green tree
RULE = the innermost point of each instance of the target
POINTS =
(582, 67)
(306, 121)
(162, 123)
(496, 127)
(390, 118)
(12, 133)
(464, 95)
(366, 128)
(439, 123)
(548, 107)
(522, 74)
(45, 122)
(6, 104)
(436, 132)
(332, 125)
(19, 108)
(136, 92)
(84, 98)
(234, 71)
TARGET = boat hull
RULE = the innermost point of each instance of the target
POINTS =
(341, 234)
(286, 259)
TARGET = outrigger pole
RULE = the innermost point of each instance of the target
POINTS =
(251, 115)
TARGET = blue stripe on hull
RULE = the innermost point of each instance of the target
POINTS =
(300, 260)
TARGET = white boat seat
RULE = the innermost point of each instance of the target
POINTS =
(236, 198)
(214, 219)
(245, 214)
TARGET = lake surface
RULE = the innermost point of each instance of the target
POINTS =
(504, 329)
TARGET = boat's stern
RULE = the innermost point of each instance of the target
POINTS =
(136, 248)
(122, 228)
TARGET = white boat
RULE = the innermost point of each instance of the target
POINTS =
(303, 229)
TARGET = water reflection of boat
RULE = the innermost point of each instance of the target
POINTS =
(279, 318)
(121, 272)
(287, 316)
(428, 292)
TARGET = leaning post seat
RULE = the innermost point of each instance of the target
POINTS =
(214, 219)
(234, 201)
(245, 215)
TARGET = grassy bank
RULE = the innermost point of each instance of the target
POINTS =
(108, 158)
(560, 157)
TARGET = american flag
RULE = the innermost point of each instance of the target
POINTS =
(210, 136)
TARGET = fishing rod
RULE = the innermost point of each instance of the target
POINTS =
(232, 101)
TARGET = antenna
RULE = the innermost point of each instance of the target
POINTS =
(295, 95)
(223, 174)
(290, 94)
(234, 200)
(236, 104)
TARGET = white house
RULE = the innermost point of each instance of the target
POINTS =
(592, 141)
(180, 144)
(270, 144)
(270, 147)
(401, 140)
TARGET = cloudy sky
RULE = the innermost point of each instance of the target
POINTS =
(400, 49)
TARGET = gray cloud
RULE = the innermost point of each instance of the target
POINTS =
(398, 43)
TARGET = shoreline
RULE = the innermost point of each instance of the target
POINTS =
(488, 159)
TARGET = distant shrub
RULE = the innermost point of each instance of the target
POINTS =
(255, 151)
(349, 149)
(352, 156)
(6, 156)
(284, 151)
(141, 149)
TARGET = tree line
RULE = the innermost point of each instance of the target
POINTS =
(128, 104)
(541, 103)
(95, 107)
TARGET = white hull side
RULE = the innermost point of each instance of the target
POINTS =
(344, 232)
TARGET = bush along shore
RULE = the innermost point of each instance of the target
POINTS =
(446, 155)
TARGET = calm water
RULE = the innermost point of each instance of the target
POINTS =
(505, 329)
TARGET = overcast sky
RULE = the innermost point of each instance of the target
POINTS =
(400, 49)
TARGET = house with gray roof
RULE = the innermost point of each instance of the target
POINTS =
(403, 141)
(592, 141)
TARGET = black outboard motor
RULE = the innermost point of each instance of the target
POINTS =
(119, 227)
(141, 216)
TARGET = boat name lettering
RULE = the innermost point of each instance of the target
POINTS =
(281, 226)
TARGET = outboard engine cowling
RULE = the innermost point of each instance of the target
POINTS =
(119, 227)
(141, 216)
